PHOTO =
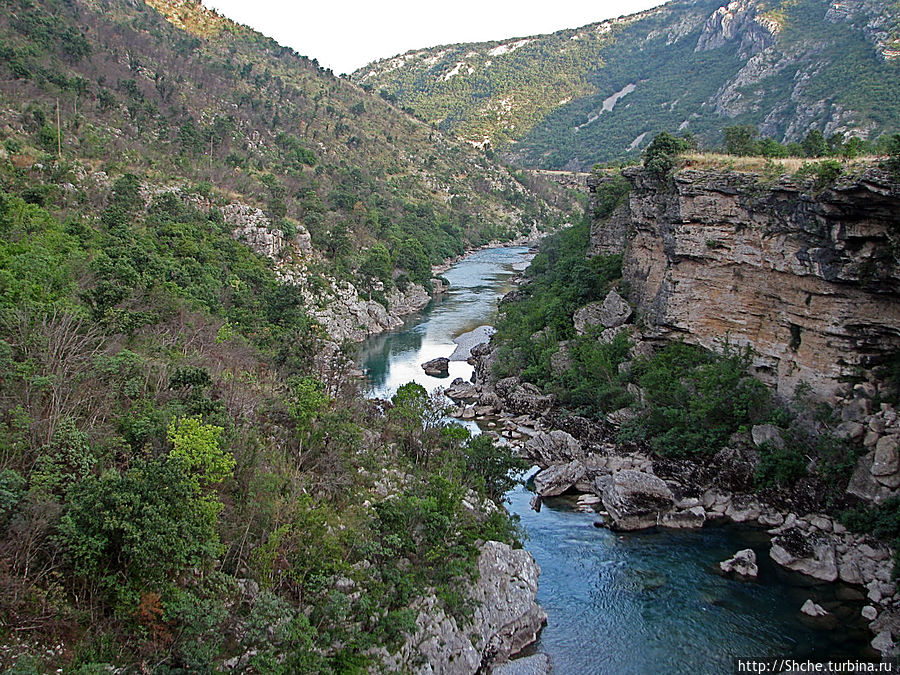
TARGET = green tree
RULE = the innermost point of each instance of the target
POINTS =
(377, 263)
(661, 155)
(741, 139)
(411, 256)
(195, 447)
(492, 466)
(814, 144)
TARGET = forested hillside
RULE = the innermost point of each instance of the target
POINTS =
(600, 93)
(198, 99)
(188, 474)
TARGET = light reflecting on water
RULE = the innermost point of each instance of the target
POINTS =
(476, 283)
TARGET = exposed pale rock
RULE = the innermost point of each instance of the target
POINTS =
(853, 431)
(558, 478)
(611, 313)
(549, 448)
(743, 509)
(691, 518)
(742, 564)
(813, 555)
(770, 519)
(614, 311)
(610, 334)
(887, 458)
(822, 523)
(869, 613)
(784, 277)
(634, 499)
(506, 619)
(883, 643)
(460, 390)
(864, 485)
(812, 609)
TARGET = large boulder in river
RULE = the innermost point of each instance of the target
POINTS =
(459, 390)
(439, 367)
(559, 478)
(551, 448)
(634, 499)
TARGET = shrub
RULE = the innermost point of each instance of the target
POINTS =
(779, 466)
(661, 155)
(694, 399)
(492, 466)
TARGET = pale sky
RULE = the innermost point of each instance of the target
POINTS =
(344, 36)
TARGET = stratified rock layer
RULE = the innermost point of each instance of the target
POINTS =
(808, 278)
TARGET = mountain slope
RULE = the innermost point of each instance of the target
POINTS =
(600, 92)
(174, 91)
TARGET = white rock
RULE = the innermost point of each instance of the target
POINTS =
(812, 609)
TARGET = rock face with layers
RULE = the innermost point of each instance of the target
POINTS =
(507, 619)
(808, 279)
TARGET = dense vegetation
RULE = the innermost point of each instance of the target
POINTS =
(542, 99)
(217, 107)
(182, 480)
(188, 473)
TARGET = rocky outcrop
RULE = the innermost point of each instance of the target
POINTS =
(522, 397)
(810, 281)
(553, 447)
(737, 22)
(558, 478)
(506, 619)
(741, 564)
(611, 313)
(251, 226)
(438, 367)
(347, 316)
(634, 499)
(812, 555)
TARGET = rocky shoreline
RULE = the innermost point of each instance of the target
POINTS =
(631, 489)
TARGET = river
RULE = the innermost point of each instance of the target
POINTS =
(621, 603)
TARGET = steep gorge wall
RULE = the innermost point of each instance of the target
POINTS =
(808, 279)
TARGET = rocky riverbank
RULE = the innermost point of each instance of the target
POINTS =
(632, 489)
(505, 620)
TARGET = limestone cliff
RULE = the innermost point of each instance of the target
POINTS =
(808, 279)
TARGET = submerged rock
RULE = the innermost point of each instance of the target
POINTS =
(536, 664)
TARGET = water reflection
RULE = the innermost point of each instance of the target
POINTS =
(395, 358)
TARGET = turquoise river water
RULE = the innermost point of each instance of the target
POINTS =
(621, 603)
